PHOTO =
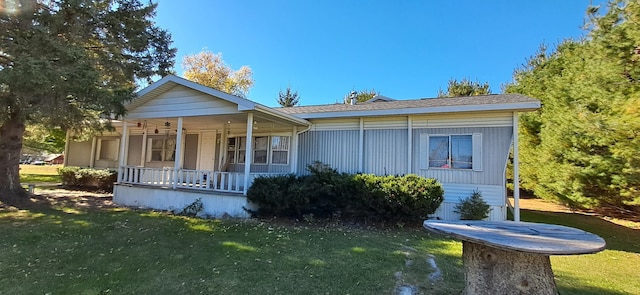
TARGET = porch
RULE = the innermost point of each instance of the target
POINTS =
(201, 180)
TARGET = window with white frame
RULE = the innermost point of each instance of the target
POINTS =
(280, 149)
(161, 150)
(265, 149)
(452, 151)
(260, 148)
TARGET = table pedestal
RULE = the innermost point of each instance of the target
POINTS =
(494, 271)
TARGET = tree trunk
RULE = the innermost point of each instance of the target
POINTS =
(11, 135)
(493, 271)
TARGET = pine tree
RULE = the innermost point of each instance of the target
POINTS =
(71, 64)
(288, 98)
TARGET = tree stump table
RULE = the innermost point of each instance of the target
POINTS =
(506, 257)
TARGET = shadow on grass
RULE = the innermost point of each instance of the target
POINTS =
(617, 237)
(587, 290)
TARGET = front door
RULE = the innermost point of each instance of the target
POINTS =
(207, 159)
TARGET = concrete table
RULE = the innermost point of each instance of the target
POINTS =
(506, 257)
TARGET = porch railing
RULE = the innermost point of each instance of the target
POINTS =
(191, 179)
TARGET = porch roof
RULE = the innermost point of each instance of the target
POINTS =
(243, 105)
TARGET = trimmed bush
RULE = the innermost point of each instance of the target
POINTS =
(327, 193)
(102, 179)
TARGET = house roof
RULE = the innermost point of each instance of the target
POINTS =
(167, 82)
(494, 102)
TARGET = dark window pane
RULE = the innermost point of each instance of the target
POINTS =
(439, 151)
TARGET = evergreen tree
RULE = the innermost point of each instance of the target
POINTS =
(288, 98)
(71, 64)
(464, 87)
(582, 146)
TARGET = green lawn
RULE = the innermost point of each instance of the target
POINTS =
(613, 271)
(67, 249)
(39, 174)
(72, 251)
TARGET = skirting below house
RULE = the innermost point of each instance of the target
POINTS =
(215, 204)
(445, 212)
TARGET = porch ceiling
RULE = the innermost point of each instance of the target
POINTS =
(234, 122)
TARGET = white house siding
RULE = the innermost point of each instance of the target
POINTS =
(485, 119)
(335, 124)
(181, 101)
(261, 168)
(214, 204)
(496, 142)
(338, 148)
(81, 152)
(385, 151)
(494, 195)
(385, 123)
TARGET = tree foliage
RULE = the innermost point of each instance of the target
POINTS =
(288, 98)
(464, 87)
(71, 64)
(361, 96)
(39, 138)
(582, 146)
(208, 68)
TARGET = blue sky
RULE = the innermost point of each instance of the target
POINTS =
(403, 49)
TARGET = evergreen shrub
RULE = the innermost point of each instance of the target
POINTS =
(473, 207)
(325, 193)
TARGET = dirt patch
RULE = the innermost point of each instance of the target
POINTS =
(57, 196)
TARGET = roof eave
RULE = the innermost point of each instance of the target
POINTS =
(518, 107)
(291, 118)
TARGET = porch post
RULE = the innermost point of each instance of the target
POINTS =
(123, 149)
(143, 152)
(361, 147)
(409, 145)
(248, 152)
(92, 157)
(294, 150)
(178, 156)
(66, 148)
(516, 174)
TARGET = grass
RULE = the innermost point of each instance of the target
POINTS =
(39, 174)
(62, 248)
(71, 251)
(613, 271)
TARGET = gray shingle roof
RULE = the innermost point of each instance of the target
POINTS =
(481, 100)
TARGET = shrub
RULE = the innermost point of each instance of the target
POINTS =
(327, 193)
(281, 195)
(473, 207)
(87, 177)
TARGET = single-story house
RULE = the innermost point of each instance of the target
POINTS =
(181, 141)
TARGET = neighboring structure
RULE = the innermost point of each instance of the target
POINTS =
(181, 141)
(54, 159)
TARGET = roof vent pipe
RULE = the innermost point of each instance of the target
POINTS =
(352, 97)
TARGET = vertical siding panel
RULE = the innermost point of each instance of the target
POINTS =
(338, 148)
(385, 151)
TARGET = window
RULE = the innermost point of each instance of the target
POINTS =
(108, 149)
(454, 151)
(260, 146)
(231, 150)
(280, 149)
(162, 150)
(263, 153)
